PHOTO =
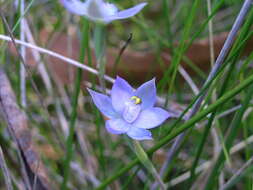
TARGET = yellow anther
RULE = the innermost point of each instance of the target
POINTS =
(136, 99)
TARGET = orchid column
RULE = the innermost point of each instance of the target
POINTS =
(102, 13)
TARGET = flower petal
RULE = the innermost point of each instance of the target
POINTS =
(97, 10)
(151, 118)
(147, 94)
(120, 94)
(75, 6)
(139, 134)
(117, 126)
(103, 103)
(126, 13)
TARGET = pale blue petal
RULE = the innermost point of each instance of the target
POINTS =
(75, 6)
(139, 134)
(151, 118)
(97, 10)
(117, 126)
(147, 94)
(126, 13)
(120, 94)
(103, 103)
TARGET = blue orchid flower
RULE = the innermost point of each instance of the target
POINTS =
(130, 111)
(100, 11)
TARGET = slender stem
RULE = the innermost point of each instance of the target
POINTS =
(122, 49)
(23, 54)
(56, 55)
(143, 157)
(214, 131)
(73, 117)
(21, 16)
(210, 29)
(99, 38)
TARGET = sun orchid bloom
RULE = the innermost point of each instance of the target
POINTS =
(130, 111)
(100, 11)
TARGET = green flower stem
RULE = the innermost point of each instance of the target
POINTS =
(73, 116)
(99, 38)
(143, 157)
(100, 46)
(182, 128)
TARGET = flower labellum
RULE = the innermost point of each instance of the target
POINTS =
(100, 11)
(130, 111)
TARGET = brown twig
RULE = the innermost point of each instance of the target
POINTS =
(19, 131)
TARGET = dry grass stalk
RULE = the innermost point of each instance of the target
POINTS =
(19, 131)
